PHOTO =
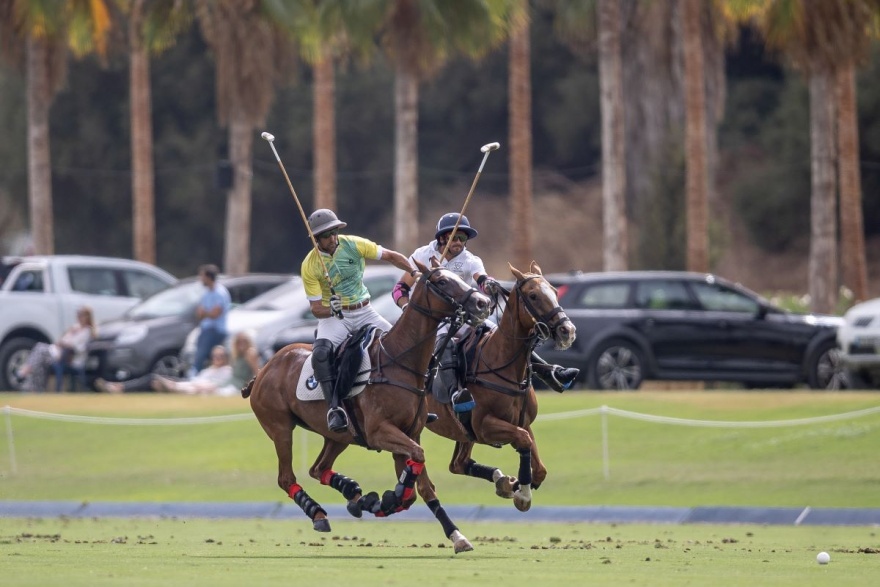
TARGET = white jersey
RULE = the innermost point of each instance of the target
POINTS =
(465, 264)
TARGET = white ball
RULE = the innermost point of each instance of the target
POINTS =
(823, 558)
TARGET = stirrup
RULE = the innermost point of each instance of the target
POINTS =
(563, 377)
(462, 400)
(337, 420)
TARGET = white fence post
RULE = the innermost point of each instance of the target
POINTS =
(13, 466)
(606, 465)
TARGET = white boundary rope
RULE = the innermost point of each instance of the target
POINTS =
(602, 411)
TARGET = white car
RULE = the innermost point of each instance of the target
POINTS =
(859, 341)
(284, 307)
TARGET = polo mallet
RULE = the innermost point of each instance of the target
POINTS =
(486, 149)
(270, 138)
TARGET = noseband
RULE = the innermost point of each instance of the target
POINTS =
(543, 328)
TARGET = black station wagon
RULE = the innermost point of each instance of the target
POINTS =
(635, 326)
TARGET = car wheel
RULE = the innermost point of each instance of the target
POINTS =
(13, 355)
(167, 366)
(616, 364)
(827, 370)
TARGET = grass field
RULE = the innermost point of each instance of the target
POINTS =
(829, 464)
(86, 552)
(706, 459)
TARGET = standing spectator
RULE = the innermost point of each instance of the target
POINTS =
(211, 311)
(68, 353)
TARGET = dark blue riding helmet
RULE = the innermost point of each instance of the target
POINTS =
(447, 223)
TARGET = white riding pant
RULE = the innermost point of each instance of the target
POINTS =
(335, 330)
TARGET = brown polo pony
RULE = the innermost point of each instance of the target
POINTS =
(389, 414)
(499, 379)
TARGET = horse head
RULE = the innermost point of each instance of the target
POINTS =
(441, 294)
(540, 307)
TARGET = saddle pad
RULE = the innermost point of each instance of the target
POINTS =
(307, 388)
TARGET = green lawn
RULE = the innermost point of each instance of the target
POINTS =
(830, 464)
(90, 552)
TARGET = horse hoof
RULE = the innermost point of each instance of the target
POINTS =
(521, 503)
(460, 543)
(322, 525)
(354, 508)
(505, 486)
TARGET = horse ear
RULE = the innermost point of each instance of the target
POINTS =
(421, 267)
(516, 272)
(434, 263)
(535, 268)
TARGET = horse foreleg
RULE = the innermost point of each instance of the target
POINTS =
(463, 464)
(539, 471)
(495, 431)
(428, 493)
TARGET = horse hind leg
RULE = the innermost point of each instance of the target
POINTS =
(428, 493)
(287, 482)
(463, 464)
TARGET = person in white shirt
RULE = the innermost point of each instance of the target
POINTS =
(70, 351)
(469, 267)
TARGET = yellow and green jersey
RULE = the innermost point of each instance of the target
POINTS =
(346, 269)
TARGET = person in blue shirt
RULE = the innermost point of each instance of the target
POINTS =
(211, 313)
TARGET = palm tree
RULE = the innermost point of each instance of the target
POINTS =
(251, 54)
(520, 129)
(616, 240)
(47, 31)
(696, 183)
(419, 36)
(820, 39)
(152, 27)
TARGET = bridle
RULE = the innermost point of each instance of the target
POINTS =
(457, 315)
(541, 330)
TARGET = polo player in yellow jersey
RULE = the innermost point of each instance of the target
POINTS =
(349, 308)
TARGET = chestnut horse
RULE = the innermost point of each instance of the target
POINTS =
(389, 414)
(499, 379)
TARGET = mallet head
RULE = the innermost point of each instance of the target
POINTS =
(490, 147)
(270, 137)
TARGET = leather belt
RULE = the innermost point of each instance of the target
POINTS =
(357, 306)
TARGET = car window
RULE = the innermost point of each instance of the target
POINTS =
(94, 280)
(141, 284)
(176, 301)
(31, 280)
(719, 298)
(663, 295)
(601, 295)
(281, 297)
(242, 292)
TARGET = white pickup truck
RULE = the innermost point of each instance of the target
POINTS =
(39, 297)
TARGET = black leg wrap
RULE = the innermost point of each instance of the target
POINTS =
(442, 517)
(390, 502)
(525, 466)
(344, 485)
(308, 505)
(370, 502)
(475, 469)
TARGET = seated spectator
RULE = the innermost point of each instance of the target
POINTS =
(219, 378)
(66, 354)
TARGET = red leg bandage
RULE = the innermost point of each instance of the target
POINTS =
(326, 475)
(294, 489)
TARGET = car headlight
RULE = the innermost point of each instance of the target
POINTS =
(132, 334)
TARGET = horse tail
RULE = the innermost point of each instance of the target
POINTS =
(246, 390)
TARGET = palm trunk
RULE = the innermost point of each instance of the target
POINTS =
(520, 124)
(852, 240)
(616, 245)
(143, 189)
(697, 186)
(325, 134)
(238, 211)
(823, 219)
(39, 99)
(406, 158)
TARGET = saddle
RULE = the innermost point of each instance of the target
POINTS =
(348, 359)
